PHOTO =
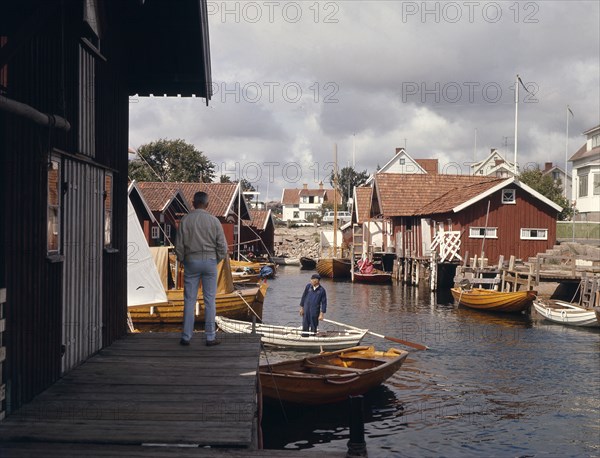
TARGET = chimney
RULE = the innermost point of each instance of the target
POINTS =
(398, 150)
(547, 166)
(321, 185)
(305, 186)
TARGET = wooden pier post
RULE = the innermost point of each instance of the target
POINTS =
(357, 447)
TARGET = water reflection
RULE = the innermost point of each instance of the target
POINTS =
(488, 381)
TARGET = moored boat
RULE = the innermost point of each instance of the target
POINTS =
(378, 277)
(235, 304)
(285, 261)
(295, 338)
(493, 301)
(334, 267)
(365, 272)
(307, 263)
(567, 313)
(329, 377)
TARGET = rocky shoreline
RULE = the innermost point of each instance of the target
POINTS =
(297, 242)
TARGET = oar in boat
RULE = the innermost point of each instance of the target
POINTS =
(393, 339)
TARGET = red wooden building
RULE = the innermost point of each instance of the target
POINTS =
(67, 69)
(519, 222)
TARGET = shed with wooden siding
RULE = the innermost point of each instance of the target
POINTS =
(67, 68)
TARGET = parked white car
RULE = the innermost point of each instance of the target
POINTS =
(342, 217)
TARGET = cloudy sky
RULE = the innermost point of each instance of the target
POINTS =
(291, 79)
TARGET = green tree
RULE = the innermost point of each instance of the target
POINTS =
(348, 178)
(224, 179)
(171, 161)
(545, 185)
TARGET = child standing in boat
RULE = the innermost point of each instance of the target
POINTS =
(313, 305)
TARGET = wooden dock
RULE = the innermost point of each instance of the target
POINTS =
(145, 389)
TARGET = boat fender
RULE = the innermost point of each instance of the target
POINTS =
(563, 314)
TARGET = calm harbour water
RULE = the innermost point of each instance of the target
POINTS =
(490, 384)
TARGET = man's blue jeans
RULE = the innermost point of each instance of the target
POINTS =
(195, 271)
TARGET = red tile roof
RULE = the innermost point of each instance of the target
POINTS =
(158, 195)
(292, 196)
(258, 219)
(220, 196)
(412, 194)
(363, 203)
(429, 165)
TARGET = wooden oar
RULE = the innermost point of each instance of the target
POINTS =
(393, 339)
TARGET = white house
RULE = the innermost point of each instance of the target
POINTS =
(586, 174)
(494, 165)
(558, 173)
(304, 203)
(402, 162)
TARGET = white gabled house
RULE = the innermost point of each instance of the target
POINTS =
(586, 177)
(495, 165)
(402, 162)
(304, 203)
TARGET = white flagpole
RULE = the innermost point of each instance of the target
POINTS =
(353, 151)
(516, 120)
(566, 153)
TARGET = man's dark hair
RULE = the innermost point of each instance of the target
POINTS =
(200, 199)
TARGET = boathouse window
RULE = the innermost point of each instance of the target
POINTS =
(108, 209)
(155, 232)
(534, 234)
(168, 230)
(509, 196)
(53, 212)
(481, 232)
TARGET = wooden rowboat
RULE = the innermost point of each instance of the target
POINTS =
(493, 301)
(566, 313)
(334, 267)
(377, 276)
(329, 377)
(292, 338)
(233, 305)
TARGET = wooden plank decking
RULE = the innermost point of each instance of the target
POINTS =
(146, 388)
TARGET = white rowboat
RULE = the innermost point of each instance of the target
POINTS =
(566, 313)
(292, 338)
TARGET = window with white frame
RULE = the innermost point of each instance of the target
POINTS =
(583, 185)
(53, 208)
(168, 230)
(596, 185)
(481, 232)
(534, 234)
(155, 232)
(509, 196)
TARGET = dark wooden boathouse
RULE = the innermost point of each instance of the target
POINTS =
(67, 69)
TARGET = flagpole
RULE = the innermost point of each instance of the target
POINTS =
(516, 120)
(566, 153)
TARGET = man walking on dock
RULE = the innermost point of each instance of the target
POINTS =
(200, 245)
(313, 305)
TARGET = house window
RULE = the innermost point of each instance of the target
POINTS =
(596, 141)
(481, 232)
(509, 196)
(53, 209)
(556, 175)
(168, 230)
(481, 172)
(583, 185)
(402, 161)
(534, 234)
(155, 232)
(296, 215)
(108, 209)
(596, 185)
